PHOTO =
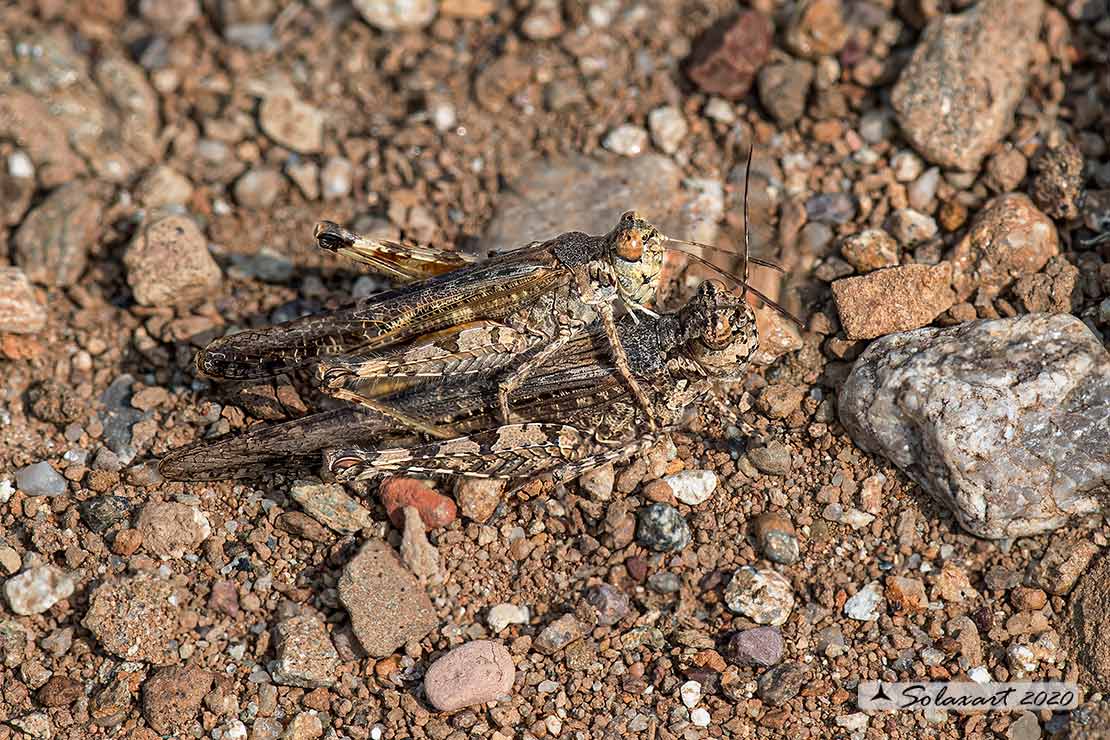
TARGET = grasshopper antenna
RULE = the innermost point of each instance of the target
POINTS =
(747, 227)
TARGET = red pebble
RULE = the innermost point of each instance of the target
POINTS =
(436, 510)
(728, 55)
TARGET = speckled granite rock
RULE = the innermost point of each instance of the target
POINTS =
(1004, 421)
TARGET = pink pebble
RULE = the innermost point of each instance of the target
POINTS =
(474, 673)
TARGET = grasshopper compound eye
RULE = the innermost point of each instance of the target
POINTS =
(630, 245)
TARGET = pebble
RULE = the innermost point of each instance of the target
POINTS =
(224, 598)
(780, 400)
(168, 262)
(387, 604)
(40, 479)
(1005, 170)
(60, 691)
(305, 655)
(774, 533)
(598, 483)
(909, 227)
(781, 683)
(336, 178)
(397, 493)
(10, 562)
(668, 128)
(305, 174)
(610, 602)
(832, 208)
(720, 110)
(171, 530)
(692, 487)
(866, 604)
(760, 646)
(1025, 727)
(922, 190)
(980, 58)
(727, 57)
(783, 89)
(172, 697)
(119, 417)
(397, 15)
(869, 250)
(136, 618)
(700, 717)
(1008, 239)
(421, 556)
(502, 615)
(761, 594)
(101, 513)
(58, 642)
(773, 459)
(544, 21)
(907, 166)
(20, 310)
(816, 28)
(303, 726)
(170, 17)
(52, 243)
(664, 583)
(479, 497)
(35, 726)
(36, 590)
(851, 516)
(1063, 562)
(895, 299)
(560, 633)
(258, 188)
(584, 194)
(690, 694)
(330, 504)
(661, 528)
(907, 594)
(473, 673)
(292, 123)
(1096, 210)
(626, 140)
(1058, 180)
(1013, 412)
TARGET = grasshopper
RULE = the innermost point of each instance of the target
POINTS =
(582, 412)
(549, 290)
(545, 292)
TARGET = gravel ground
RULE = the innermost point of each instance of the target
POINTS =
(919, 507)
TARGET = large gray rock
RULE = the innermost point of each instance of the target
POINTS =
(1003, 421)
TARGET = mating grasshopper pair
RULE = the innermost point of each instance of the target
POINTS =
(518, 364)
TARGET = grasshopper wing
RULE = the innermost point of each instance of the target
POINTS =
(510, 451)
(402, 262)
(293, 443)
(486, 291)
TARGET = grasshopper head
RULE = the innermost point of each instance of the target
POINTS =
(721, 331)
(636, 254)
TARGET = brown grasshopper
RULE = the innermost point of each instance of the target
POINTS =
(582, 412)
(546, 293)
